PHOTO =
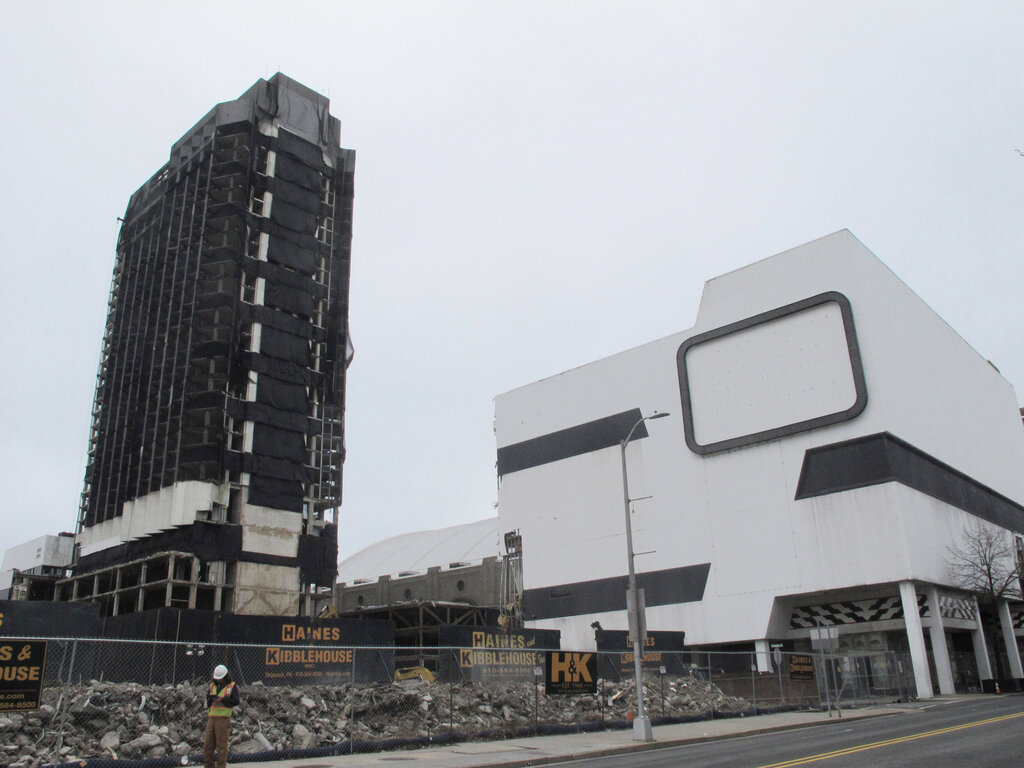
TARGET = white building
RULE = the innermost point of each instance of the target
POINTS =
(40, 562)
(830, 438)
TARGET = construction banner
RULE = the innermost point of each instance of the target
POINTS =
(303, 651)
(493, 654)
(568, 672)
(22, 667)
(663, 653)
(801, 668)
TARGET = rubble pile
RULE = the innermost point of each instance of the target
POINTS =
(130, 721)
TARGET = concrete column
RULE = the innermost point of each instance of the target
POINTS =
(143, 575)
(170, 581)
(943, 668)
(764, 656)
(980, 646)
(117, 592)
(193, 586)
(915, 638)
(1010, 640)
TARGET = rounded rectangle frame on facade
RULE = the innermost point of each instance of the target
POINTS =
(783, 430)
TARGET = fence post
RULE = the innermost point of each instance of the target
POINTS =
(835, 684)
(71, 664)
(782, 696)
(352, 708)
(536, 702)
(67, 704)
(661, 671)
(753, 682)
(708, 659)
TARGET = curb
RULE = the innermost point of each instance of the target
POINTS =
(650, 746)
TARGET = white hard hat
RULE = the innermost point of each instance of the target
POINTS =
(219, 672)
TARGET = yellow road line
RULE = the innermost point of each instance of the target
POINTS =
(888, 742)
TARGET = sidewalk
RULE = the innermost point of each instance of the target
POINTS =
(542, 750)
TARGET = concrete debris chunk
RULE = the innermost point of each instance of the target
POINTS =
(128, 721)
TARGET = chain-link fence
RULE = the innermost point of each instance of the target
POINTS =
(144, 699)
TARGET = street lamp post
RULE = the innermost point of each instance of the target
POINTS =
(641, 723)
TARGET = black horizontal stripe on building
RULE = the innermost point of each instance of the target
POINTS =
(573, 441)
(885, 458)
(666, 587)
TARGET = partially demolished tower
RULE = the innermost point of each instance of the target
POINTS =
(216, 449)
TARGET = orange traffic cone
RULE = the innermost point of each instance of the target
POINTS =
(997, 687)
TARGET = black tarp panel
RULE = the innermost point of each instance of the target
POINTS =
(299, 148)
(269, 466)
(264, 414)
(294, 218)
(306, 199)
(284, 346)
(277, 274)
(306, 241)
(282, 469)
(290, 421)
(269, 317)
(279, 443)
(275, 493)
(170, 624)
(280, 369)
(282, 394)
(298, 174)
(298, 301)
(318, 557)
(38, 618)
(281, 251)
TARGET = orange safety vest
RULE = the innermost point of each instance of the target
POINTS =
(220, 711)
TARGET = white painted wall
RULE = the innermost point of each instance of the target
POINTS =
(270, 531)
(45, 550)
(770, 375)
(160, 510)
(736, 509)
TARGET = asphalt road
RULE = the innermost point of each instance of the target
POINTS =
(977, 733)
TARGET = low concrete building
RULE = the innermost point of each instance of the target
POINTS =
(424, 580)
(30, 570)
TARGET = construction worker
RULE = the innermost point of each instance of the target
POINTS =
(222, 696)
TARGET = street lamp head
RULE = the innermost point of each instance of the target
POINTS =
(641, 420)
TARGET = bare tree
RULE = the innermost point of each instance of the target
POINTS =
(987, 563)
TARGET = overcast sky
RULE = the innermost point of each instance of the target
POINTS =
(538, 185)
